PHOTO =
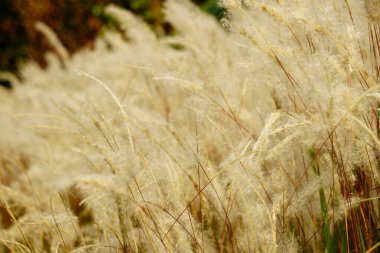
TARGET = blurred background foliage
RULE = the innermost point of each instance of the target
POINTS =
(76, 22)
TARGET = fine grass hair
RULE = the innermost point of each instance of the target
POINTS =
(259, 133)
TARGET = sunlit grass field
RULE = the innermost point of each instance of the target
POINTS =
(256, 133)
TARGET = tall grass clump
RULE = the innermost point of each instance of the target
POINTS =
(261, 135)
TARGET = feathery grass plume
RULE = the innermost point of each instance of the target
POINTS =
(262, 136)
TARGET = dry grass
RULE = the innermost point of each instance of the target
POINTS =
(262, 136)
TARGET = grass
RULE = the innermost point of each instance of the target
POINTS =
(262, 136)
